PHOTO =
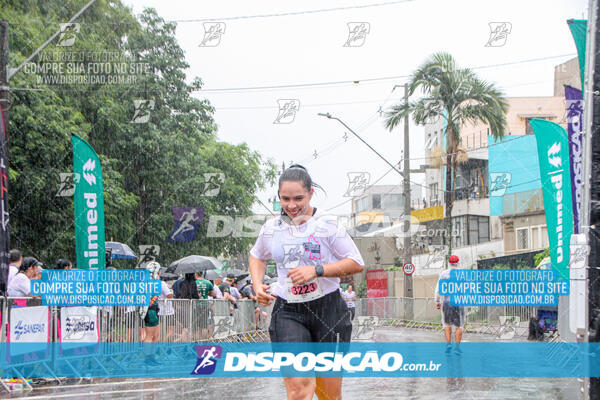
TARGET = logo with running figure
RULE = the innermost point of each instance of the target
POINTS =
(68, 181)
(212, 183)
(68, 34)
(143, 109)
(499, 182)
(292, 254)
(357, 33)
(499, 32)
(207, 359)
(212, 34)
(187, 220)
(357, 183)
(287, 111)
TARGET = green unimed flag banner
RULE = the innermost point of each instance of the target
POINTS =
(579, 31)
(89, 206)
(555, 174)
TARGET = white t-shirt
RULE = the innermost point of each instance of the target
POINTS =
(320, 240)
(350, 297)
(234, 292)
(165, 305)
(13, 270)
(219, 294)
(20, 286)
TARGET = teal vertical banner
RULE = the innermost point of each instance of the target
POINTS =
(578, 29)
(89, 206)
(555, 174)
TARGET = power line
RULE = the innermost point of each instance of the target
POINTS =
(291, 13)
(240, 17)
(303, 105)
(355, 81)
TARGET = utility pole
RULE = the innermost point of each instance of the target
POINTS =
(408, 281)
(591, 191)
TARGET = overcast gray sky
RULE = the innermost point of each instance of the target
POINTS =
(309, 48)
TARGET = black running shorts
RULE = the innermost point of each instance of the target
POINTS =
(325, 319)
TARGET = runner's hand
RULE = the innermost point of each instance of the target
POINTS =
(438, 305)
(263, 298)
(301, 275)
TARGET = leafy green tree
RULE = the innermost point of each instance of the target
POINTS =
(458, 96)
(539, 257)
(148, 168)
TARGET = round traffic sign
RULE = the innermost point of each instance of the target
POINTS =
(408, 268)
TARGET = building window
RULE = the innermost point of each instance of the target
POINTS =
(539, 237)
(470, 230)
(528, 128)
(376, 202)
(483, 230)
(392, 201)
(362, 204)
(458, 234)
(522, 238)
(434, 194)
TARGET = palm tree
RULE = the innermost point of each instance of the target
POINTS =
(458, 96)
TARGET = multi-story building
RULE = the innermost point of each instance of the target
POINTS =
(481, 229)
(380, 206)
(498, 206)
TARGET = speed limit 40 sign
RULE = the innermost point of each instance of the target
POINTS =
(408, 268)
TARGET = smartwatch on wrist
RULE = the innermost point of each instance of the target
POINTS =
(319, 270)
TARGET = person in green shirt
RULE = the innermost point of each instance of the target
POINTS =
(205, 287)
(203, 321)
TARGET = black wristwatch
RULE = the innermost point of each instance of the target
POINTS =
(319, 270)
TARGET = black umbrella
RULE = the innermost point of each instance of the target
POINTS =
(212, 275)
(242, 277)
(120, 251)
(166, 276)
(235, 272)
(192, 264)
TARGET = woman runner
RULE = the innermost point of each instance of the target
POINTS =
(311, 253)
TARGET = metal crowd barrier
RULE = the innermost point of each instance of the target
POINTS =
(120, 332)
(184, 321)
(181, 320)
(422, 312)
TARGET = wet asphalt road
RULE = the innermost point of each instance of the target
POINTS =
(353, 388)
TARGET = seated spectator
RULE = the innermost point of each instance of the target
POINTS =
(20, 285)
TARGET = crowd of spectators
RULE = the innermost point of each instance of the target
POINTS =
(21, 270)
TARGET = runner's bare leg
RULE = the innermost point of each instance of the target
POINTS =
(329, 388)
(300, 388)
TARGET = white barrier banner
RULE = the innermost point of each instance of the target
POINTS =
(79, 324)
(29, 324)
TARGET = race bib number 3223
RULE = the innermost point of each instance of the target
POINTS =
(308, 291)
